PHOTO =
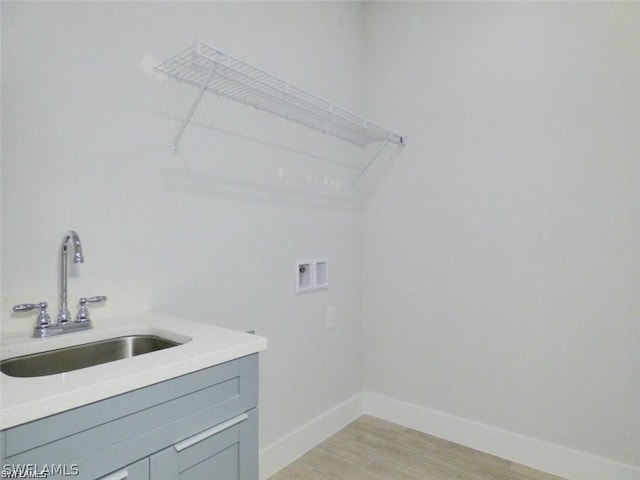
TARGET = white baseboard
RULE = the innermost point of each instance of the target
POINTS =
(287, 449)
(537, 454)
(544, 456)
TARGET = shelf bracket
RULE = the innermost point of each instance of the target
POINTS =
(371, 160)
(194, 105)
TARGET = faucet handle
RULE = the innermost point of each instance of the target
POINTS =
(83, 311)
(44, 320)
(97, 298)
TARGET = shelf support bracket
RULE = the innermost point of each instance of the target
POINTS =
(371, 160)
(194, 105)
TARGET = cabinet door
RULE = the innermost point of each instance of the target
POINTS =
(135, 471)
(228, 451)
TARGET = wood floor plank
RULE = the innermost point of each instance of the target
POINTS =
(373, 449)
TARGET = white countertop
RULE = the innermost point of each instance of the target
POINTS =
(26, 399)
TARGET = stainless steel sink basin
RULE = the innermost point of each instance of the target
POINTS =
(83, 356)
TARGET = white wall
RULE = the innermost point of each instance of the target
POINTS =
(501, 254)
(501, 257)
(214, 231)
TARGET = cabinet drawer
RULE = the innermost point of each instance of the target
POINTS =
(228, 451)
(123, 429)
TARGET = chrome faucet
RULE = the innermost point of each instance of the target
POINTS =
(63, 313)
(44, 327)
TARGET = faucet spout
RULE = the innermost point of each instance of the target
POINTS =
(63, 314)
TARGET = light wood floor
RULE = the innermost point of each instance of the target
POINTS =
(373, 449)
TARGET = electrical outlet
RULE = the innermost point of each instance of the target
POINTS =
(330, 318)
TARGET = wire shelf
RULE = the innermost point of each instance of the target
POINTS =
(214, 71)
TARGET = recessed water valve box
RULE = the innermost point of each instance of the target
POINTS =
(311, 275)
(304, 276)
(321, 278)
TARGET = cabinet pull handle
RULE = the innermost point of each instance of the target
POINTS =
(210, 432)
(119, 475)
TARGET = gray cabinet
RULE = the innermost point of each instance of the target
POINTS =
(204, 421)
(136, 471)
